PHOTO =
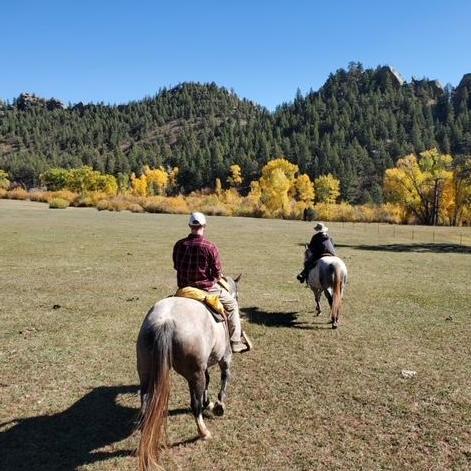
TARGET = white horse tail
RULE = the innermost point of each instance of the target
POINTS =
(337, 295)
(153, 422)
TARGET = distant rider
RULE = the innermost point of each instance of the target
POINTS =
(198, 264)
(321, 244)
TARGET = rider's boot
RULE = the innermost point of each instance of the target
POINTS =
(238, 347)
(244, 345)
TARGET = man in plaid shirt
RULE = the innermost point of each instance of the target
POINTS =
(198, 264)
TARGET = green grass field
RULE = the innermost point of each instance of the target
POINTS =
(76, 284)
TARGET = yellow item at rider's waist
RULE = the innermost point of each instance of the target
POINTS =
(212, 300)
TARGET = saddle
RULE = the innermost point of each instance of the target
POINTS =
(211, 301)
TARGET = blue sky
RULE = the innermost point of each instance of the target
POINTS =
(116, 51)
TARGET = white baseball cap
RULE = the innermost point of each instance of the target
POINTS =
(197, 219)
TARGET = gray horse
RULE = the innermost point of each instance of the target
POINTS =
(329, 276)
(179, 333)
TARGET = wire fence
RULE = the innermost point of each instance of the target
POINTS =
(460, 236)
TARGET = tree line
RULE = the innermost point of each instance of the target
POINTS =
(429, 188)
(357, 125)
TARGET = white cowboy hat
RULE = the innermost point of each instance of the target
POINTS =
(319, 227)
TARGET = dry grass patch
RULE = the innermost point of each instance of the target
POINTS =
(306, 398)
(17, 194)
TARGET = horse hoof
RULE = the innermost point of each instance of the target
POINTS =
(334, 325)
(218, 409)
(209, 407)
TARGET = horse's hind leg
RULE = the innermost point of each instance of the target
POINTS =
(197, 384)
(317, 296)
(328, 296)
(219, 407)
(207, 405)
(144, 362)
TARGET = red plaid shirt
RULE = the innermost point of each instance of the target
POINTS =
(197, 261)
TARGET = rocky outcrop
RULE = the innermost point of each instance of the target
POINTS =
(431, 88)
(54, 104)
(465, 82)
(463, 90)
(388, 72)
(28, 101)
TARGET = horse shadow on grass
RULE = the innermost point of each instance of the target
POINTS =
(69, 439)
(255, 315)
(420, 248)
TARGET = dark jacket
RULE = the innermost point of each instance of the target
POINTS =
(321, 244)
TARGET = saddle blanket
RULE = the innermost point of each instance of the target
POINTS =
(211, 301)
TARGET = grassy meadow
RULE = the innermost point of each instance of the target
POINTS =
(75, 285)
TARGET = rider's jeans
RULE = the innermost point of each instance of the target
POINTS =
(232, 309)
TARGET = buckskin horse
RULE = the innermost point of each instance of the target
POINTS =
(329, 276)
(179, 333)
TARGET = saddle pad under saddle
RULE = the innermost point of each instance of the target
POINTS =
(211, 301)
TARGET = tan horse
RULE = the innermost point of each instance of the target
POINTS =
(329, 276)
(179, 333)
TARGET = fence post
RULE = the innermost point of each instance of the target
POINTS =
(433, 236)
(412, 234)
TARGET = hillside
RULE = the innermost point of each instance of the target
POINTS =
(355, 127)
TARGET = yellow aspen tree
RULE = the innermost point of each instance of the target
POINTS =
(274, 188)
(107, 184)
(327, 189)
(235, 179)
(305, 189)
(277, 185)
(4, 181)
(420, 185)
(139, 185)
(157, 180)
(457, 194)
(255, 192)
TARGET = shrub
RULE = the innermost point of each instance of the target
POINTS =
(247, 208)
(135, 208)
(69, 196)
(40, 196)
(119, 203)
(103, 205)
(18, 194)
(3, 193)
(309, 214)
(58, 203)
(4, 180)
(175, 205)
(216, 210)
(171, 205)
(209, 204)
(90, 199)
(152, 204)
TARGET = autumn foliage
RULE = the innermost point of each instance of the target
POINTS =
(429, 188)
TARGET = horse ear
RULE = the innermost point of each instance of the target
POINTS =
(238, 278)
